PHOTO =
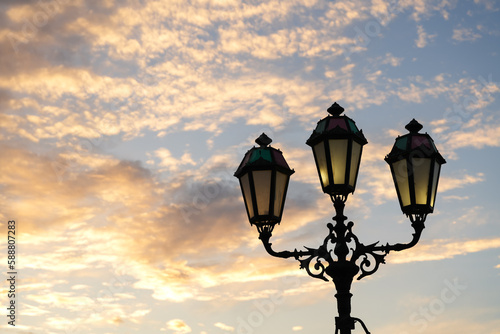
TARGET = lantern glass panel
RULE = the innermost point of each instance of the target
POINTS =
(319, 153)
(400, 172)
(355, 156)
(262, 181)
(338, 154)
(247, 194)
(437, 168)
(421, 172)
(279, 192)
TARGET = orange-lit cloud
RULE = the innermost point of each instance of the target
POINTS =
(178, 326)
(224, 327)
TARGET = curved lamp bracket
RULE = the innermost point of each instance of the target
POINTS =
(322, 261)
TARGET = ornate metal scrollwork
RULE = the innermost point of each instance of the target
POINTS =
(367, 266)
(342, 257)
(318, 266)
(367, 258)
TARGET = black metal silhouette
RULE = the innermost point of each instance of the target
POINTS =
(342, 257)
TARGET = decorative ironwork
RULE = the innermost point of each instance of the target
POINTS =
(342, 257)
(367, 257)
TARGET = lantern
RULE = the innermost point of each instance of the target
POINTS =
(415, 167)
(264, 176)
(337, 145)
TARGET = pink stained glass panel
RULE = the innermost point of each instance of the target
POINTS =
(419, 140)
(279, 159)
(334, 122)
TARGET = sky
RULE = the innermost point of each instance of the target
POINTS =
(122, 123)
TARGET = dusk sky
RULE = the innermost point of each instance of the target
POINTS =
(122, 123)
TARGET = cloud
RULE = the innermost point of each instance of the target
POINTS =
(171, 163)
(480, 137)
(423, 38)
(424, 9)
(488, 4)
(113, 202)
(102, 205)
(224, 327)
(466, 94)
(465, 35)
(392, 60)
(444, 249)
(178, 326)
(448, 183)
(374, 178)
(185, 91)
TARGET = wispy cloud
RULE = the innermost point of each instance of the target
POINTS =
(224, 327)
(423, 38)
(465, 35)
(178, 326)
(444, 249)
(447, 183)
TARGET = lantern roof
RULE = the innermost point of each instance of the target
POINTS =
(336, 126)
(414, 141)
(263, 157)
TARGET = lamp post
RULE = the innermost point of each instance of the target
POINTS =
(337, 146)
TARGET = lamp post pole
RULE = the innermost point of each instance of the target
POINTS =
(342, 272)
(337, 146)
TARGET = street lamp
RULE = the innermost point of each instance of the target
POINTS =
(337, 146)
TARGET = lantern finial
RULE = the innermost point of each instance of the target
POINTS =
(414, 126)
(263, 140)
(335, 109)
